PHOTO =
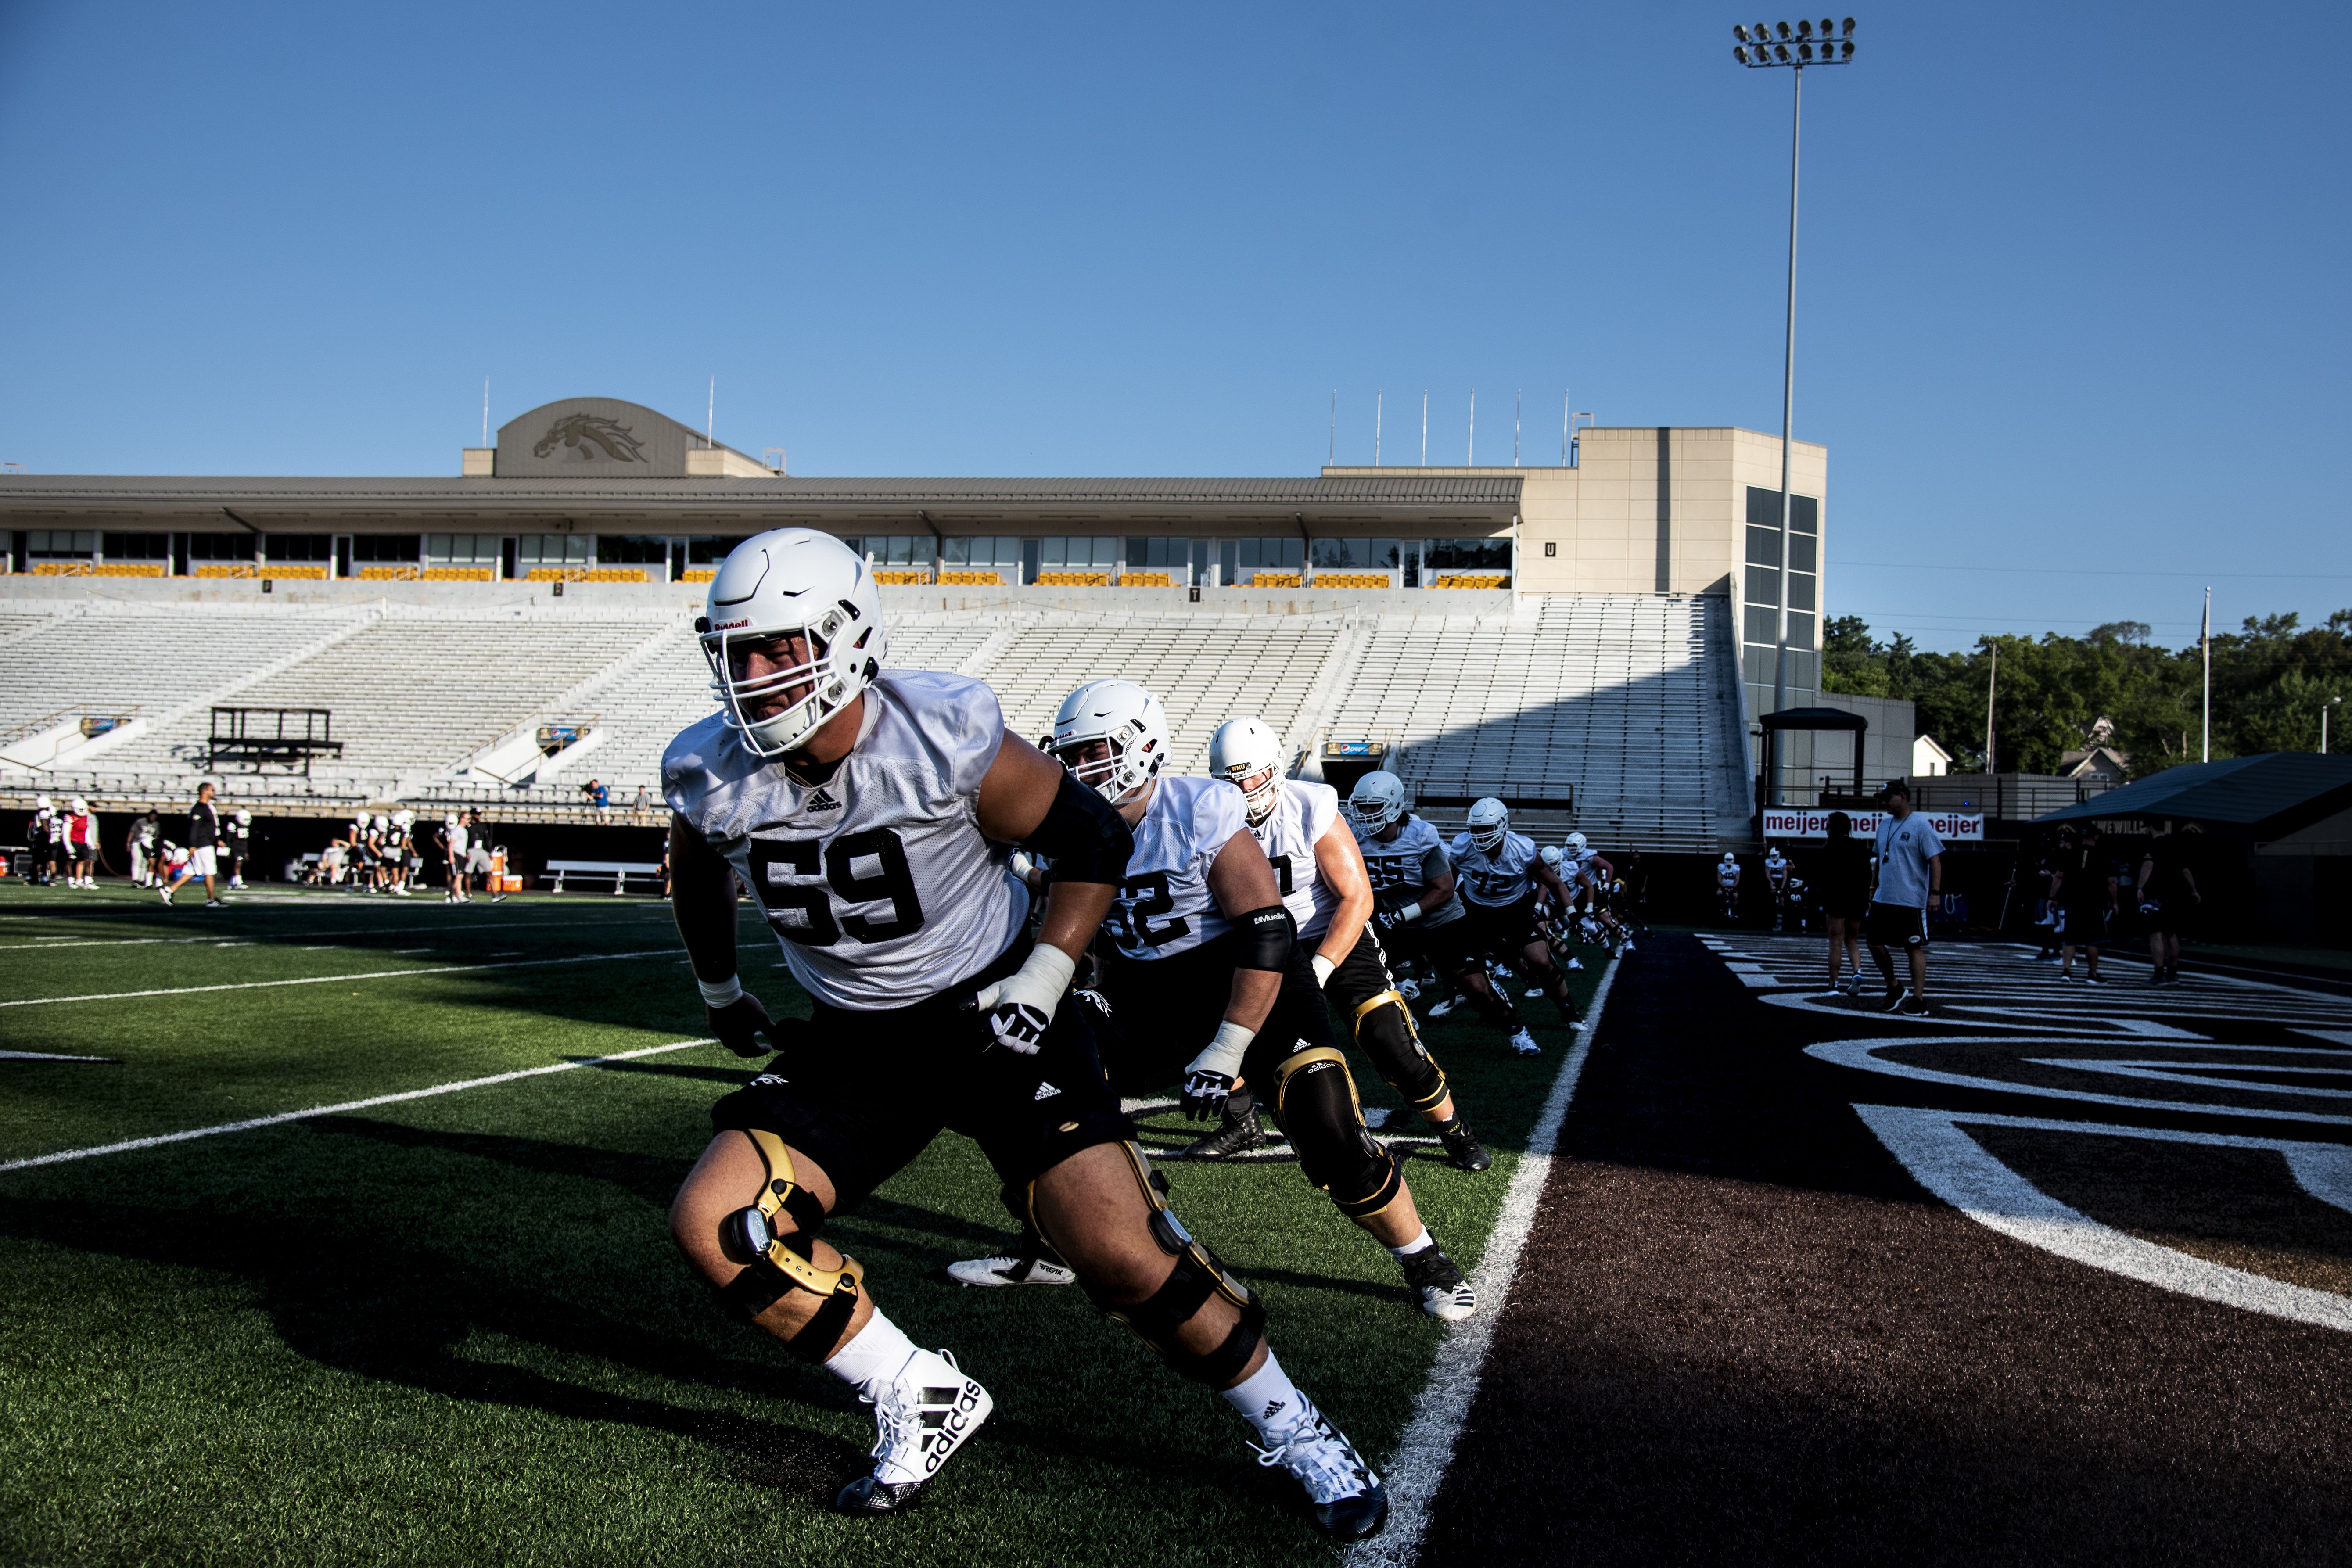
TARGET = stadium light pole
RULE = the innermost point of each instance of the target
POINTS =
(2323, 722)
(1772, 47)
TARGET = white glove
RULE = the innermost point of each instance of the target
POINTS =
(1323, 968)
(1021, 1004)
(1023, 863)
(1210, 1077)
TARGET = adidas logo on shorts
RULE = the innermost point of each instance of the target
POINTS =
(1045, 1091)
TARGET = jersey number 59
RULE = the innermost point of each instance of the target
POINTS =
(803, 911)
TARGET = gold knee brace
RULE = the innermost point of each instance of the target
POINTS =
(775, 1264)
(1426, 1099)
(1335, 1151)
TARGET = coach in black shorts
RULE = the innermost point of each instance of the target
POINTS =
(1907, 869)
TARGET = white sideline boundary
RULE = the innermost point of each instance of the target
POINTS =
(157, 1141)
(331, 979)
(1425, 1451)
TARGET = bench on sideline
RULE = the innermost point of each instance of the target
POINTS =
(619, 870)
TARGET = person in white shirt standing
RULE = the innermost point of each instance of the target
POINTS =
(1907, 871)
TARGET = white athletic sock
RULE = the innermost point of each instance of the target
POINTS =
(871, 1361)
(1267, 1399)
(1420, 1243)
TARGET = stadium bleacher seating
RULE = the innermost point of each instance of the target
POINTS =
(1626, 703)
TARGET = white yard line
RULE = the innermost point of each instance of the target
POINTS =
(1426, 1449)
(47, 943)
(332, 978)
(128, 1145)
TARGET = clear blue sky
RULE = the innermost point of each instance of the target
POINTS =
(2072, 295)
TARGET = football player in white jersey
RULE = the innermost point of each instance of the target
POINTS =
(1775, 880)
(1203, 951)
(1327, 889)
(1592, 877)
(1417, 909)
(873, 817)
(1726, 885)
(1499, 870)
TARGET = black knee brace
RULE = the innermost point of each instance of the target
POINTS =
(1385, 1032)
(1315, 1101)
(1197, 1277)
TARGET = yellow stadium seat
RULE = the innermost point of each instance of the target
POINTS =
(98, 569)
(1472, 580)
(1073, 579)
(391, 573)
(974, 579)
(1351, 579)
(226, 569)
(1146, 580)
(1275, 580)
(281, 570)
(456, 574)
(698, 574)
(904, 576)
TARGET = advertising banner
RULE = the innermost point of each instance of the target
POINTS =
(1951, 826)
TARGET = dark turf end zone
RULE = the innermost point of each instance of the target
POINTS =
(1742, 1334)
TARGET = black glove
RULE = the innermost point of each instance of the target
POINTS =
(1389, 920)
(744, 1028)
(1205, 1094)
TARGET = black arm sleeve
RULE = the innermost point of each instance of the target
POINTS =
(1083, 834)
(1267, 938)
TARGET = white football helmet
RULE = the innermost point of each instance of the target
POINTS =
(1490, 820)
(1250, 754)
(1123, 716)
(1377, 800)
(1728, 856)
(1551, 856)
(791, 583)
(244, 817)
(383, 824)
(1576, 843)
(403, 820)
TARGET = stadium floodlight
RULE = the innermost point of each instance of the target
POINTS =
(1830, 52)
(1739, 32)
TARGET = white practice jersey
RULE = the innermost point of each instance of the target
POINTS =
(1580, 867)
(1726, 872)
(880, 884)
(1411, 859)
(1302, 813)
(1776, 865)
(1164, 905)
(1503, 875)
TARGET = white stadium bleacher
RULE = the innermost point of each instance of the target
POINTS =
(1626, 703)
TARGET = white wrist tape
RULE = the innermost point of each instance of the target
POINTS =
(1323, 968)
(721, 993)
(1409, 914)
(1039, 982)
(1225, 1052)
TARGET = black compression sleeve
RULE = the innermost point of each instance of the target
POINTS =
(1267, 935)
(1083, 834)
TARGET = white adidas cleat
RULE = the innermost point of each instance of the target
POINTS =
(1524, 1045)
(1010, 1270)
(1440, 1009)
(930, 1410)
(1444, 1294)
(1409, 988)
(1572, 964)
(1535, 991)
(1349, 1501)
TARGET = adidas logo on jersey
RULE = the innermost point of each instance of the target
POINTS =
(821, 799)
(1045, 1091)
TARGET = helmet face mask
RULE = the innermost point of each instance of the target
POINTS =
(792, 634)
(1249, 754)
(1377, 801)
(1490, 820)
(1113, 737)
(1576, 842)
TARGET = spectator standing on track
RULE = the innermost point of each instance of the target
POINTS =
(1842, 881)
(477, 854)
(2045, 906)
(203, 837)
(1908, 863)
(2085, 894)
(2168, 893)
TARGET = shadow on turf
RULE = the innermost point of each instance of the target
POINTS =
(343, 1300)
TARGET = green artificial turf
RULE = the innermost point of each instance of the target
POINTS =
(453, 1328)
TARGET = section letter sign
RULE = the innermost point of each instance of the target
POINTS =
(1951, 826)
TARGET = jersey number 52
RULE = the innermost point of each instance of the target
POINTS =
(803, 911)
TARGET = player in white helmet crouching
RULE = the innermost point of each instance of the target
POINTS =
(1205, 984)
(1499, 871)
(873, 816)
(1327, 889)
